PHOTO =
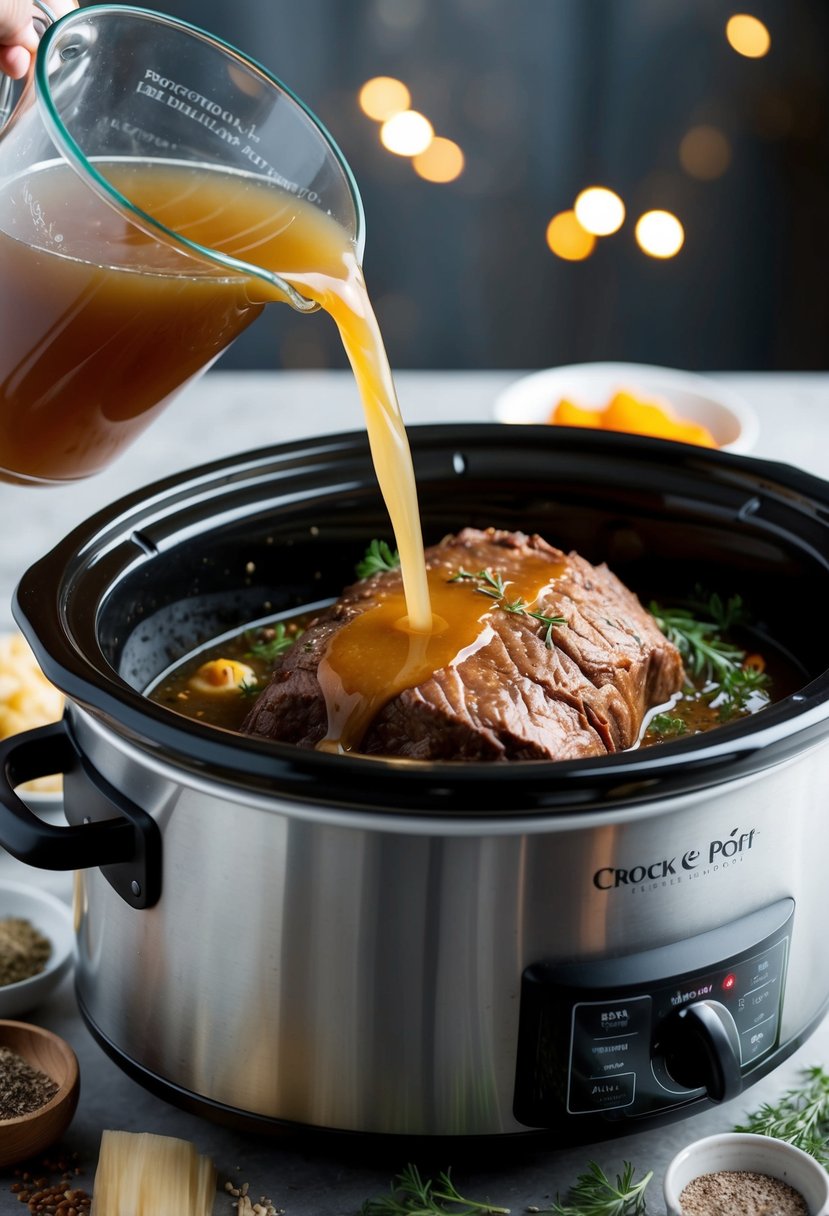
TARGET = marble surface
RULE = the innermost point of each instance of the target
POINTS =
(313, 1175)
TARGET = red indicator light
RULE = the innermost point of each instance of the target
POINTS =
(729, 982)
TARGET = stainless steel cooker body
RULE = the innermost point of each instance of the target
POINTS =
(274, 935)
(364, 971)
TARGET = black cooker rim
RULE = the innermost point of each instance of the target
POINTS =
(466, 788)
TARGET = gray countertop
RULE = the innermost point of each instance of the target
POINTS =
(319, 1174)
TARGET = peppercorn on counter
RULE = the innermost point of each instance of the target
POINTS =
(322, 1174)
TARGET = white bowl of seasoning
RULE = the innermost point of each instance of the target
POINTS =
(745, 1173)
(28, 918)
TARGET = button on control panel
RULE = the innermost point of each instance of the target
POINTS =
(610, 1043)
(599, 1038)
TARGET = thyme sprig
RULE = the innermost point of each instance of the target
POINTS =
(411, 1195)
(491, 583)
(800, 1116)
(593, 1194)
(710, 657)
(378, 556)
(276, 641)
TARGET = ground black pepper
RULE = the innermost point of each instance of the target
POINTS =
(23, 1089)
(741, 1193)
(24, 951)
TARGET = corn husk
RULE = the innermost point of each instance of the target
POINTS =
(141, 1174)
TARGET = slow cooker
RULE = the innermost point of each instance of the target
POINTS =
(275, 936)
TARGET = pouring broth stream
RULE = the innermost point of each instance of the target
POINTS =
(73, 389)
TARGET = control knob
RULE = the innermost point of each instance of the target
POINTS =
(699, 1047)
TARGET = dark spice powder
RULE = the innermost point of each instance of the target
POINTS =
(24, 951)
(23, 1089)
(741, 1193)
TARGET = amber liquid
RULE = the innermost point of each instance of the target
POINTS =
(91, 352)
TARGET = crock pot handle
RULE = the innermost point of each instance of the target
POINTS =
(123, 839)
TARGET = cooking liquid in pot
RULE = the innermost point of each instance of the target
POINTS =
(697, 708)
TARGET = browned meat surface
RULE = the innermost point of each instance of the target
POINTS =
(513, 698)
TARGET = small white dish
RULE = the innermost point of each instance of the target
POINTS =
(731, 421)
(743, 1151)
(51, 917)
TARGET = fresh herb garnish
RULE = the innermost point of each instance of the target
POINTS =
(491, 583)
(251, 689)
(593, 1194)
(378, 556)
(410, 1195)
(800, 1116)
(271, 642)
(666, 725)
(708, 657)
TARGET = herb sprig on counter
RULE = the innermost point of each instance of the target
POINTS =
(491, 583)
(800, 1116)
(411, 1195)
(593, 1194)
(708, 656)
(379, 556)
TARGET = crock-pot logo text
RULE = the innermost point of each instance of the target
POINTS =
(717, 855)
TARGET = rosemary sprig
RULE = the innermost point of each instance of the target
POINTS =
(708, 656)
(800, 1116)
(704, 652)
(275, 643)
(251, 689)
(491, 583)
(378, 556)
(593, 1194)
(411, 1195)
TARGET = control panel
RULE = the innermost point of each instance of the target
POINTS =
(649, 1033)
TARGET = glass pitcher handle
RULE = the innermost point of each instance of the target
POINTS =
(43, 18)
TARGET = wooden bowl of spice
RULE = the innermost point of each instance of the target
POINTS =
(36, 946)
(745, 1174)
(39, 1086)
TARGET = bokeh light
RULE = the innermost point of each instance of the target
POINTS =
(567, 239)
(705, 153)
(659, 234)
(383, 96)
(599, 211)
(407, 133)
(748, 36)
(442, 161)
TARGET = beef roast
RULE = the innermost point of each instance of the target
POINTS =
(514, 698)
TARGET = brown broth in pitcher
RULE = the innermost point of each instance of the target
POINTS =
(90, 352)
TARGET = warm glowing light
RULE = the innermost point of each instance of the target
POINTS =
(705, 153)
(748, 36)
(599, 211)
(384, 96)
(567, 239)
(442, 161)
(659, 234)
(407, 134)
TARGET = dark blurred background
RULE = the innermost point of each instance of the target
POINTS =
(544, 98)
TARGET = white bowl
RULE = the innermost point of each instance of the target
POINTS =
(731, 421)
(732, 1151)
(51, 917)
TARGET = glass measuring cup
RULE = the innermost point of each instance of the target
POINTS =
(139, 171)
